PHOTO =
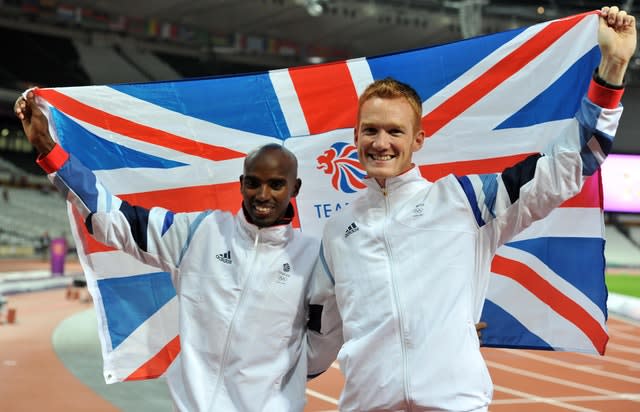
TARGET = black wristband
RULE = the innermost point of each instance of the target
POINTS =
(604, 83)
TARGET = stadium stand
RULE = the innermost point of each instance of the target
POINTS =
(634, 232)
(15, 165)
(104, 64)
(620, 250)
(189, 66)
(148, 63)
(29, 213)
(30, 206)
(56, 54)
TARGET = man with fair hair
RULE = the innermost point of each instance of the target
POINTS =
(407, 263)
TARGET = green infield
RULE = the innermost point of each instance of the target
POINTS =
(624, 284)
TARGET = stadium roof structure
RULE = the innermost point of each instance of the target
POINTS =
(355, 27)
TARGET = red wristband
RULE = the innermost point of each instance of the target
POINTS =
(53, 160)
(604, 96)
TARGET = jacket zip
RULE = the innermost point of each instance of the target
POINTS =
(405, 378)
(227, 344)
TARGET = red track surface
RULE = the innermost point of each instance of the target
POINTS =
(544, 381)
(32, 378)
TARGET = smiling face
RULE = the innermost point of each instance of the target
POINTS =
(268, 184)
(387, 134)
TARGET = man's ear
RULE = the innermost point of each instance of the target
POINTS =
(418, 141)
(355, 136)
(241, 178)
(297, 187)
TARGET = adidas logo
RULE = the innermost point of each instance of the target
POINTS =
(286, 267)
(353, 228)
(224, 257)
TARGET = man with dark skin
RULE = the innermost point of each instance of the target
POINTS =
(248, 340)
(269, 181)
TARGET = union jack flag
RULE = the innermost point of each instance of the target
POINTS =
(488, 102)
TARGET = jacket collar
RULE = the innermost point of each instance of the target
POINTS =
(397, 184)
(278, 234)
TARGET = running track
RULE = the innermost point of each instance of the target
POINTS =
(545, 381)
(32, 378)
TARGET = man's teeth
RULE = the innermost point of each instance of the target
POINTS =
(382, 157)
(263, 209)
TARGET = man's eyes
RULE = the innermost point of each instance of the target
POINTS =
(370, 131)
(254, 184)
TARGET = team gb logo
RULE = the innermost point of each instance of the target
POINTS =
(341, 162)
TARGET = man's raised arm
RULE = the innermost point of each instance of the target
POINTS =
(617, 39)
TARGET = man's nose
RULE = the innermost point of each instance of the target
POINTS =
(381, 141)
(264, 192)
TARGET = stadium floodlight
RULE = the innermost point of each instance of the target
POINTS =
(315, 8)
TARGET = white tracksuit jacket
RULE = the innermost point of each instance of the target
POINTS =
(243, 296)
(408, 268)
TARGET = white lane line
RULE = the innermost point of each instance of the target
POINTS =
(630, 329)
(528, 397)
(611, 359)
(614, 359)
(625, 336)
(321, 396)
(623, 348)
(625, 325)
(573, 366)
(619, 397)
(551, 379)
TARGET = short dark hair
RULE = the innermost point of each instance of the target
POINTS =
(272, 147)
